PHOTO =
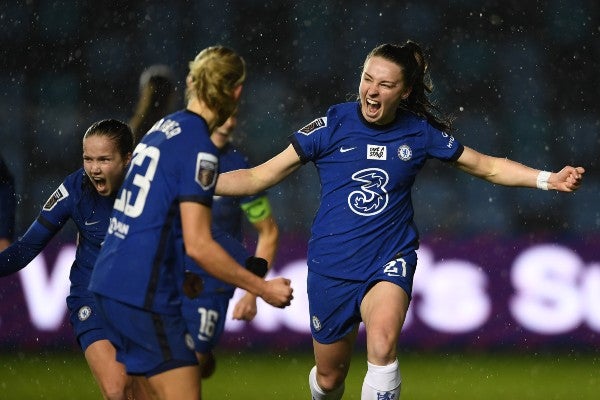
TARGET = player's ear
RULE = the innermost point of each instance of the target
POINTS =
(188, 81)
(406, 93)
(237, 92)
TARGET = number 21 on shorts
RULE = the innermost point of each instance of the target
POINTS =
(392, 268)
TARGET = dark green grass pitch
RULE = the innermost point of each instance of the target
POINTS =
(271, 375)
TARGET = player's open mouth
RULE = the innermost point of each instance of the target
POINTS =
(100, 184)
(372, 107)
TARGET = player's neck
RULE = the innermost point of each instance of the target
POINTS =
(199, 107)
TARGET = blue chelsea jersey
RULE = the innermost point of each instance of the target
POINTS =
(74, 199)
(366, 171)
(141, 261)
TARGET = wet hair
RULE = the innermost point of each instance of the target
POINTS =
(214, 74)
(117, 131)
(411, 58)
(156, 99)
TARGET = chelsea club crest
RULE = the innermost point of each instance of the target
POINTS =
(84, 313)
(404, 152)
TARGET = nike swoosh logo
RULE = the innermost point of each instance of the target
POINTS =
(87, 223)
(345, 149)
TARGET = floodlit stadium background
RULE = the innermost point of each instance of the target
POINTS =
(520, 77)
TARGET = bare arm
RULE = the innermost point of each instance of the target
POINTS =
(266, 247)
(268, 239)
(503, 171)
(207, 253)
(245, 182)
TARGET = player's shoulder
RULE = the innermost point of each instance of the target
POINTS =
(350, 107)
(341, 111)
(68, 192)
(412, 119)
(74, 182)
(329, 120)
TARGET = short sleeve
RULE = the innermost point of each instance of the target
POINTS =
(442, 145)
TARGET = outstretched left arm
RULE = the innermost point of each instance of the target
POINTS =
(503, 171)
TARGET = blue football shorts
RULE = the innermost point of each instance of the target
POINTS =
(88, 325)
(205, 318)
(334, 304)
(147, 343)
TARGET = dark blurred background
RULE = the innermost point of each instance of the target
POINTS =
(521, 77)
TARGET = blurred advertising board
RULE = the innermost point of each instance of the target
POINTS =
(485, 292)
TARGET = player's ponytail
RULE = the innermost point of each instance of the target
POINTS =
(156, 99)
(215, 73)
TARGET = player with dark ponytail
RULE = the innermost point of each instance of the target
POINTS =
(362, 251)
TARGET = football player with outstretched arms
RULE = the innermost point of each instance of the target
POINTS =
(361, 254)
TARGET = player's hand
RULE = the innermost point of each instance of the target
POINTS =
(245, 308)
(567, 179)
(278, 292)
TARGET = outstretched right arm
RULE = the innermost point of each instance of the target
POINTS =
(246, 182)
(19, 254)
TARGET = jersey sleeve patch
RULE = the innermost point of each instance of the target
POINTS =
(313, 126)
(60, 194)
(206, 170)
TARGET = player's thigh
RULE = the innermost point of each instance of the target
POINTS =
(384, 305)
(383, 311)
(177, 384)
(101, 357)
